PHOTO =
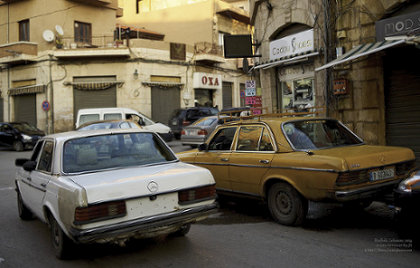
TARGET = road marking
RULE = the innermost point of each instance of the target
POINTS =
(7, 188)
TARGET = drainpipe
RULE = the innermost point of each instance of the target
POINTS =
(327, 53)
(51, 129)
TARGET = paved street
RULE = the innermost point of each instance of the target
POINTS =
(241, 234)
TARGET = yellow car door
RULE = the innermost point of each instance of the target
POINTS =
(251, 159)
(217, 157)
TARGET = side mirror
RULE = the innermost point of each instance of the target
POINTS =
(202, 147)
(29, 165)
(20, 161)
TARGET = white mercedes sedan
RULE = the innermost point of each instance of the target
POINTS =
(109, 186)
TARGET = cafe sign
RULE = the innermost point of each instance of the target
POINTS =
(292, 45)
(207, 80)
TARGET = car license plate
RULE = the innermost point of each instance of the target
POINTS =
(192, 132)
(382, 174)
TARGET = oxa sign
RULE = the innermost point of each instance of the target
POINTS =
(292, 45)
(207, 80)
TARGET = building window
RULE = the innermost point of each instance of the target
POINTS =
(82, 32)
(24, 30)
(298, 94)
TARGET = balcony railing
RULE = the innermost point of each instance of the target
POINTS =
(94, 42)
(208, 53)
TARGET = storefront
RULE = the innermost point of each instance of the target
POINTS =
(292, 57)
(205, 86)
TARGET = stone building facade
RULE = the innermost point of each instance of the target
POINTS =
(365, 72)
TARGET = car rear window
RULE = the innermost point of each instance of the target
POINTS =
(102, 152)
(205, 122)
(317, 134)
(114, 116)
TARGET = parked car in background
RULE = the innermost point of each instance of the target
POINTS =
(109, 186)
(117, 113)
(19, 135)
(287, 161)
(109, 124)
(197, 133)
(183, 117)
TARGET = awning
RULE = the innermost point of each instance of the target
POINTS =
(285, 61)
(362, 50)
(162, 84)
(33, 89)
(94, 85)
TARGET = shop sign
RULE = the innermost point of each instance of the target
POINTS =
(207, 80)
(407, 24)
(292, 45)
(250, 88)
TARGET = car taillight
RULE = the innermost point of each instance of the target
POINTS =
(183, 132)
(103, 211)
(186, 123)
(196, 194)
(352, 177)
(202, 132)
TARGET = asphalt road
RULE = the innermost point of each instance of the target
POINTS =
(241, 234)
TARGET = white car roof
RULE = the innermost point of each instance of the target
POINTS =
(63, 136)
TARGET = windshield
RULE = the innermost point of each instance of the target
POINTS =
(317, 134)
(111, 151)
(24, 127)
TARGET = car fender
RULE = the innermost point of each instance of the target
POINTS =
(268, 181)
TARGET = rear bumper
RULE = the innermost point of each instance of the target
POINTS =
(162, 222)
(368, 192)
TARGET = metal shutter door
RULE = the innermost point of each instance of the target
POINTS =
(164, 101)
(402, 98)
(25, 108)
(102, 98)
(227, 94)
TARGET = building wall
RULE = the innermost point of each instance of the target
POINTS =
(45, 15)
(363, 109)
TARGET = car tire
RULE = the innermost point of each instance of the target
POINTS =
(184, 230)
(18, 146)
(286, 205)
(24, 213)
(61, 243)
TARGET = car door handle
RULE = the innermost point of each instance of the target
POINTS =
(43, 185)
(264, 161)
(224, 159)
(29, 179)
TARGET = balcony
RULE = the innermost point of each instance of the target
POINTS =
(99, 46)
(18, 53)
(99, 3)
(208, 53)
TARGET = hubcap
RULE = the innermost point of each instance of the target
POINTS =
(283, 203)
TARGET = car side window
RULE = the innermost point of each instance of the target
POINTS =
(223, 139)
(45, 161)
(248, 138)
(36, 151)
(265, 142)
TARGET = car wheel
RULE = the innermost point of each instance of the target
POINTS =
(24, 213)
(18, 146)
(183, 230)
(286, 205)
(61, 243)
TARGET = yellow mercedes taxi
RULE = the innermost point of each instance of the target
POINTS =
(287, 161)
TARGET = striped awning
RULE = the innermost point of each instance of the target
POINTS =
(162, 84)
(94, 85)
(362, 50)
(286, 60)
(33, 89)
